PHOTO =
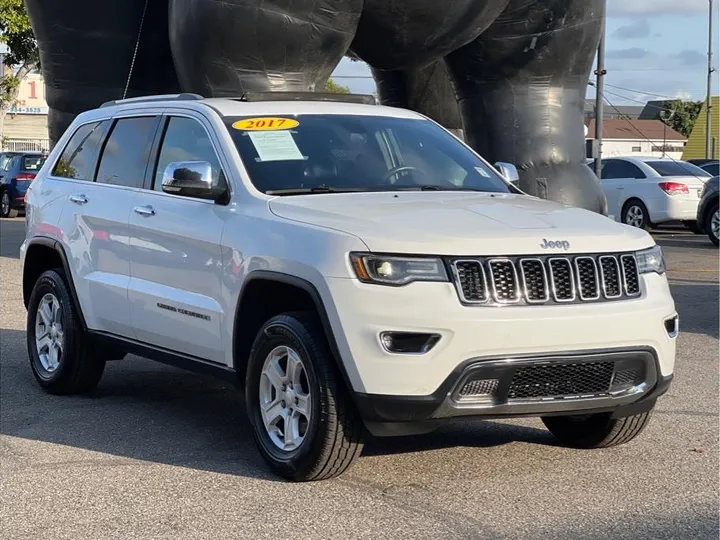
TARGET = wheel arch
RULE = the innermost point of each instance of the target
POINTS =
(43, 254)
(248, 321)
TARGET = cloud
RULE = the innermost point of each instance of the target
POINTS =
(634, 53)
(635, 30)
(650, 8)
(691, 58)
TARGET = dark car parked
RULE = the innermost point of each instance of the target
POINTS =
(711, 166)
(708, 217)
(17, 171)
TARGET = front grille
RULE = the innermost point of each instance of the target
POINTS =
(557, 380)
(546, 280)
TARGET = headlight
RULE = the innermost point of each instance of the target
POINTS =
(651, 260)
(392, 270)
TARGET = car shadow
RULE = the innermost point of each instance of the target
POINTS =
(142, 410)
(697, 305)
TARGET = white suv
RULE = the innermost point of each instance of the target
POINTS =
(354, 268)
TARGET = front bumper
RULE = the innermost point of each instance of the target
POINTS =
(514, 394)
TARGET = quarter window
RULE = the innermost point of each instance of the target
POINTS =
(185, 140)
(125, 156)
(80, 155)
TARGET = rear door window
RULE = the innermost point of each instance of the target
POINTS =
(79, 157)
(127, 150)
(617, 168)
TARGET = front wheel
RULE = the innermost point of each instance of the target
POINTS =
(712, 224)
(304, 423)
(598, 430)
(635, 214)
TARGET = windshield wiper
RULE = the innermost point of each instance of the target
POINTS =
(432, 187)
(313, 190)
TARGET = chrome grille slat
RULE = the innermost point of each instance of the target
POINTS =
(543, 280)
(561, 280)
(534, 281)
(504, 281)
(587, 278)
(610, 277)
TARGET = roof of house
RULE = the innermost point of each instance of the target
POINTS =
(653, 130)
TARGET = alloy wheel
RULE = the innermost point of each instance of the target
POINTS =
(5, 204)
(715, 224)
(635, 216)
(285, 400)
(49, 334)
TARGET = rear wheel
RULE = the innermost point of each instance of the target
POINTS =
(62, 359)
(635, 214)
(5, 210)
(712, 223)
(596, 430)
(304, 423)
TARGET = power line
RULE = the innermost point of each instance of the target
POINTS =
(639, 132)
(640, 91)
(650, 105)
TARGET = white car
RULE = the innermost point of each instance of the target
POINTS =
(647, 191)
(352, 268)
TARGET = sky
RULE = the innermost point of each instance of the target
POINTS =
(655, 49)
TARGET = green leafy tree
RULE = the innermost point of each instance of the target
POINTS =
(335, 88)
(680, 115)
(22, 57)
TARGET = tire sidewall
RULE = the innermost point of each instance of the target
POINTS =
(50, 282)
(708, 223)
(284, 331)
(4, 194)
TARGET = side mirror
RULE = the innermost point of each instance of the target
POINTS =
(192, 179)
(508, 171)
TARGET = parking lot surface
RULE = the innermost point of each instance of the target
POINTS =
(160, 453)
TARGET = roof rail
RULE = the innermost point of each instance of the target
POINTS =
(150, 99)
(364, 99)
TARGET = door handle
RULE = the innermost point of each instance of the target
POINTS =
(144, 210)
(620, 188)
(79, 199)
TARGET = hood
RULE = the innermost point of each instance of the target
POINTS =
(461, 223)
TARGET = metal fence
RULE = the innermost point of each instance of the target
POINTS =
(25, 145)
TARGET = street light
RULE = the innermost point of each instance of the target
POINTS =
(708, 105)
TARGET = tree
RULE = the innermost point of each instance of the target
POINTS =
(680, 115)
(23, 56)
(335, 88)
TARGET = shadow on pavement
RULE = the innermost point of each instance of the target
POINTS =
(148, 411)
(697, 305)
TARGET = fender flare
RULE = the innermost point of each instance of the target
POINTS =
(311, 290)
(56, 246)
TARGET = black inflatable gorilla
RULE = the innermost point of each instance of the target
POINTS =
(512, 73)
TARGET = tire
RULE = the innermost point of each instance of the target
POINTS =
(5, 210)
(596, 430)
(711, 215)
(333, 437)
(635, 214)
(693, 226)
(75, 368)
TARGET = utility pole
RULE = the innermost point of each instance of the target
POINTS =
(709, 150)
(599, 94)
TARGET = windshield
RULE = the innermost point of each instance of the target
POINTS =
(5, 159)
(677, 168)
(328, 153)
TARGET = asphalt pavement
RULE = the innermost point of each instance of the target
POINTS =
(156, 453)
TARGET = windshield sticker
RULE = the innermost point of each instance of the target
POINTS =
(276, 146)
(482, 172)
(265, 124)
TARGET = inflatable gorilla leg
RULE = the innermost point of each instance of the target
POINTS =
(521, 88)
(87, 48)
(230, 47)
(427, 90)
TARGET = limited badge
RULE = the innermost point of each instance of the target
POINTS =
(265, 124)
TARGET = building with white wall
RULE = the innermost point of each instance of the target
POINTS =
(623, 137)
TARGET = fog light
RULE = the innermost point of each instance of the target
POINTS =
(672, 326)
(408, 342)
